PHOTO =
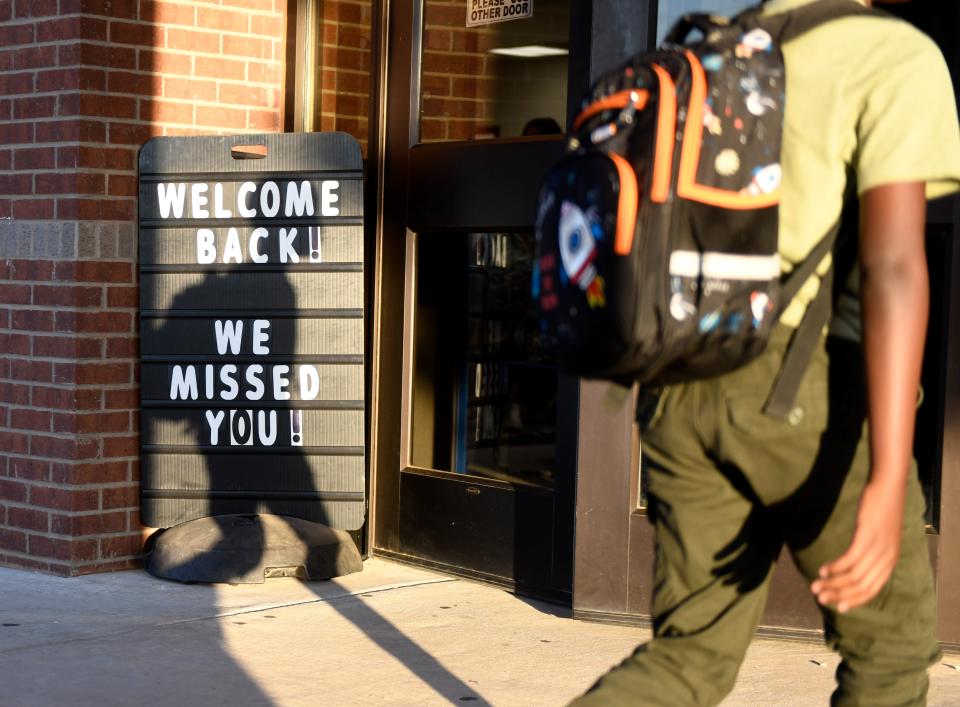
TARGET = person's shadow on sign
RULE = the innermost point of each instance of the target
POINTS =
(245, 446)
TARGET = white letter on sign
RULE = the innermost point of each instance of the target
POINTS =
(260, 337)
(215, 421)
(228, 333)
(206, 246)
(301, 203)
(171, 196)
(328, 198)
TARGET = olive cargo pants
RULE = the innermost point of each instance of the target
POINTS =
(728, 487)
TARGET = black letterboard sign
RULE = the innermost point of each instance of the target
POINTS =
(251, 296)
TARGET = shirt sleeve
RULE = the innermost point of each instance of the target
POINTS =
(908, 129)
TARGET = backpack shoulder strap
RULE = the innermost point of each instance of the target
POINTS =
(842, 242)
(793, 23)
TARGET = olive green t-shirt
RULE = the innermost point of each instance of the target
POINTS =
(869, 96)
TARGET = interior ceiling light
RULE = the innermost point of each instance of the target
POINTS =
(533, 51)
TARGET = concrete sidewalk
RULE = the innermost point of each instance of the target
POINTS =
(391, 635)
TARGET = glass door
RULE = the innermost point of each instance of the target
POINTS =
(484, 482)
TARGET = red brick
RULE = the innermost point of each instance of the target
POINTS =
(124, 546)
(68, 296)
(267, 25)
(87, 423)
(59, 29)
(43, 546)
(64, 499)
(14, 294)
(123, 347)
(120, 447)
(247, 47)
(122, 185)
(221, 117)
(13, 540)
(76, 183)
(103, 373)
(83, 550)
(16, 133)
(11, 35)
(222, 20)
(38, 420)
(111, 56)
(17, 344)
(92, 524)
(121, 399)
(67, 347)
(104, 472)
(33, 209)
(166, 13)
(120, 497)
(143, 35)
(34, 8)
(32, 320)
(216, 67)
(68, 103)
(193, 41)
(130, 134)
(14, 393)
(70, 54)
(30, 469)
(243, 94)
(12, 84)
(34, 57)
(123, 9)
(93, 322)
(14, 443)
(119, 297)
(28, 519)
(16, 184)
(100, 271)
(71, 131)
(189, 89)
(137, 83)
(166, 111)
(63, 448)
(108, 106)
(65, 398)
(26, 269)
(13, 491)
(267, 120)
(120, 565)
(163, 62)
(84, 209)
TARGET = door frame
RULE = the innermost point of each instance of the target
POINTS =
(420, 191)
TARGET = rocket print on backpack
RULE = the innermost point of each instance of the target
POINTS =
(657, 254)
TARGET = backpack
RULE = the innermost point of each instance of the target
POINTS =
(657, 255)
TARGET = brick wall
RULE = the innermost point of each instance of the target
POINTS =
(344, 68)
(83, 83)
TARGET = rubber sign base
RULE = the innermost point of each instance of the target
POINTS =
(247, 549)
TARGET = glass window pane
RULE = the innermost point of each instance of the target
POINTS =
(669, 11)
(485, 397)
(470, 89)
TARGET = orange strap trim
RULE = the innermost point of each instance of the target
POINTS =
(626, 207)
(616, 101)
(687, 186)
(666, 129)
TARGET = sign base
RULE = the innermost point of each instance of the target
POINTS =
(247, 549)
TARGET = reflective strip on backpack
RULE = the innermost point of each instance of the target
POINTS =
(724, 266)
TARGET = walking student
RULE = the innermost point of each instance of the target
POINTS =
(870, 114)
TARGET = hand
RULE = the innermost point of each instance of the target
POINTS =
(859, 574)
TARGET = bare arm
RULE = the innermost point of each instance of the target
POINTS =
(894, 295)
